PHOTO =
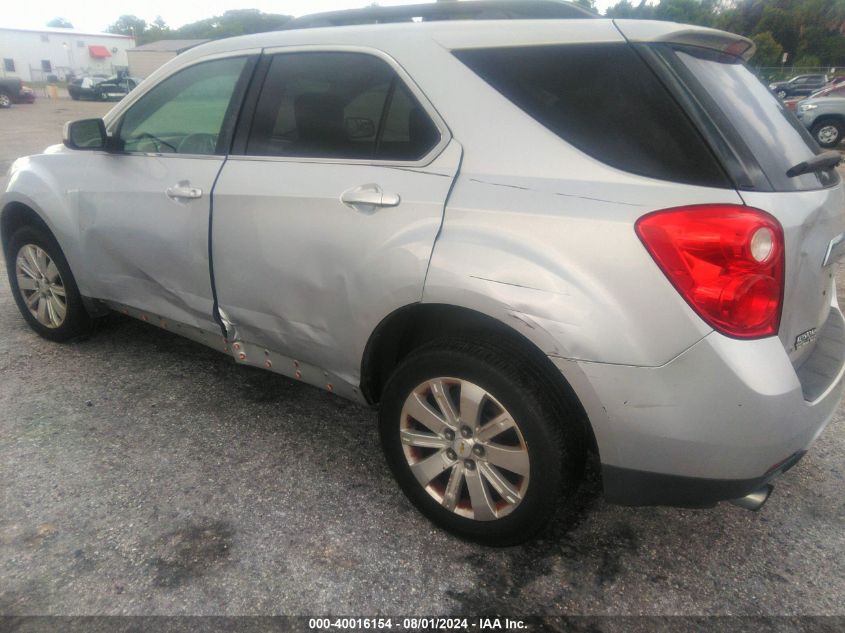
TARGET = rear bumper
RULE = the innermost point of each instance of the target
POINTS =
(639, 488)
(715, 423)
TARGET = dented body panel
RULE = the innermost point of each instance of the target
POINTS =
(299, 271)
(142, 248)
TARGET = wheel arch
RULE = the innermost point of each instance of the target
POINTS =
(829, 116)
(411, 326)
(17, 214)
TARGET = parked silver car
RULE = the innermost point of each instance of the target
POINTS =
(824, 116)
(524, 240)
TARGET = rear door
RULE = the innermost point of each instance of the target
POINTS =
(326, 213)
(760, 140)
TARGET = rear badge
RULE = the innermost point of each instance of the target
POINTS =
(805, 338)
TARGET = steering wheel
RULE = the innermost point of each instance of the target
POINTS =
(157, 142)
(200, 143)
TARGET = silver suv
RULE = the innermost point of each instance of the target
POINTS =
(525, 240)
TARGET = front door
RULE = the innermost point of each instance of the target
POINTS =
(144, 210)
(327, 221)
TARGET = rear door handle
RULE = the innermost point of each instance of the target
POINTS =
(369, 197)
(183, 191)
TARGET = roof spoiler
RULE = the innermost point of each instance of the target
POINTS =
(674, 33)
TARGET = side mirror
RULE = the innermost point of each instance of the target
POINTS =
(85, 134)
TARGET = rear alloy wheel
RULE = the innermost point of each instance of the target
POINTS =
(5, 100)
(470, 458)
(828, 133)
(480, 440)
(43, 285)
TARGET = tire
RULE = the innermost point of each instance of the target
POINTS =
(547, 431)
(75, 322)
(828, 133)
(5, 100)
(781, 94)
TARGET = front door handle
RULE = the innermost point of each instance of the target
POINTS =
(369, 197)
(183, 191)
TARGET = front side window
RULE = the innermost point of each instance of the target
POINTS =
(184, 114)
(338, 105)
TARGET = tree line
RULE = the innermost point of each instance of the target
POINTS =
(231, 23)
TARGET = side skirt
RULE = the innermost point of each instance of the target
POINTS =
(245, 353)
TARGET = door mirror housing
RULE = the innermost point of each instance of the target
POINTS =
(85, 134)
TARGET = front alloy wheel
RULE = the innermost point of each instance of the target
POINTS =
(464, 448)
(41, 285)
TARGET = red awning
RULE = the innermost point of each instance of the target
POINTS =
(98, 51)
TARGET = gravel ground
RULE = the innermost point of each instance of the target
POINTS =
(145, 474)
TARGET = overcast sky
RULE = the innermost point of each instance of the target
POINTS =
(86, 15)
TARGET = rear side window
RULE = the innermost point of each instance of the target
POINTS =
(733, 95)
(338, 105)
(604, 100)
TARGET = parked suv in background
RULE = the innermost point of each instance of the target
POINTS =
(824, 116)
(833, 89)
(457, 221)
(798, 86)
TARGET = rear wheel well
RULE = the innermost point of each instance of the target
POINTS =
(410, 327)
(16, 215)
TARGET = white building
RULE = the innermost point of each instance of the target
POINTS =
(33, 55)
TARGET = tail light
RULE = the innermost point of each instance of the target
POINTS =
(727, 262)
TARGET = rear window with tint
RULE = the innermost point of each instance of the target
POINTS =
(604, 100)
(774, 136)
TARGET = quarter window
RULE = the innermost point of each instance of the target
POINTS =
(338, 105)
(604, 100)
(184, 113)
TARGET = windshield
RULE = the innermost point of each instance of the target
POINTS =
(773, 135)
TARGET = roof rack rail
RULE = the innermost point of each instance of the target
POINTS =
(469, 10)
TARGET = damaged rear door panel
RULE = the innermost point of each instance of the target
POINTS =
(325, 218)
